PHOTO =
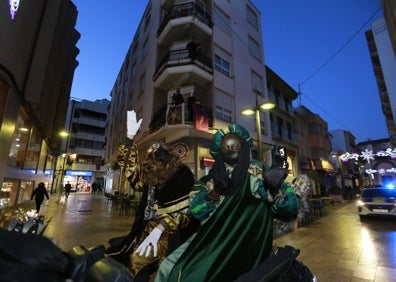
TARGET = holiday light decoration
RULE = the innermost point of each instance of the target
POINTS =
(368, 156)
(14, 5)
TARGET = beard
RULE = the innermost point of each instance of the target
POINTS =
(231, 157)
(156, 173)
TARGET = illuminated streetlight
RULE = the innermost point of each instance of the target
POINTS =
(266, 106)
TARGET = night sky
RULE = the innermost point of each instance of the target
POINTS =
(318, 47)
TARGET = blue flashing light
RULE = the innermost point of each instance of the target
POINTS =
(390, 186)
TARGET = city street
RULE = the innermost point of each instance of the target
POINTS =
(337, 247)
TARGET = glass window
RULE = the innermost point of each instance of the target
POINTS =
(221, 20)
(257, 83)
(222, 65)
(224, 106)
(17, 154)
(223, 113)
(252, 17)
(254, 48)
(145, 47)
(142, 80)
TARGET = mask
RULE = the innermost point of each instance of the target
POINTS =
(230, 148)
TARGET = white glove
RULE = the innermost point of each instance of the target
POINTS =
(132, 124)
(150, 241)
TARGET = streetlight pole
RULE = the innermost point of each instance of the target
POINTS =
(267, 105)
(258, 129)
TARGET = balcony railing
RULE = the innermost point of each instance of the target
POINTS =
(169, 115)
(182, 57)
(185, 10)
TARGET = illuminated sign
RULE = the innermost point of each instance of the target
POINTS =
(14, 5)
(78, 172)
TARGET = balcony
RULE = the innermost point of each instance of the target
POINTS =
(171, 116)
(177, 67)
(183, 20)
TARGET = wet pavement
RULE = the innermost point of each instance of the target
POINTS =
(336, 247)
(84, 219)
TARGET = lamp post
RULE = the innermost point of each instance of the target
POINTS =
(64, 134)
(265, 106)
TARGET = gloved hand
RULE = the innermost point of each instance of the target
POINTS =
(274, 176)
(151, 241)
(132, 124)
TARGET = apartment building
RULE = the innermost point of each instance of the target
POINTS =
(282, 120)
(348, 171)
(37, 63)
(383, 60)
(314, 148)
(224, 75)
(82, 160)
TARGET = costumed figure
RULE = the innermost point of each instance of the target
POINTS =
(162, 221)
(236, 207)
(302, 187)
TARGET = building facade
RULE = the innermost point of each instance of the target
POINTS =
(82, 160)
(348, 171)
(37, 63)
(314, 149)
(383, 60)
(282, 119)
(223, 74)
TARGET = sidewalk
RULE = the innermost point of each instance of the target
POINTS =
(85, 219)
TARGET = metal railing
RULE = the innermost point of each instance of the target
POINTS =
(169, 115)
(185, 10)
(183, 57)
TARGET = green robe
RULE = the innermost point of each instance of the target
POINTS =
(235, 238)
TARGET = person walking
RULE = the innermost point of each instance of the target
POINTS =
(38, 195)
(67, 189)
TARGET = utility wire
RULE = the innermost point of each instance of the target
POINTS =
(341, 48)
(327, 113)
(327, 62)
(229, 26)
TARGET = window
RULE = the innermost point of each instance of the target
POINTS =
(257, 83)
(133, 69)
(221, 20)
(222, 113)
(254, 49)
(145, 47)
(224, 105)
(262, 126)
(147, 19)
(142, 83)
(252, 17)
(222, 65)
(222, 61)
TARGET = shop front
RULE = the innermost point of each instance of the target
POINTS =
(80, 180)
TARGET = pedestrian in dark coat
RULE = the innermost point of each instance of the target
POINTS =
(39, 194)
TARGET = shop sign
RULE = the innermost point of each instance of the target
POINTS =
(78, 172)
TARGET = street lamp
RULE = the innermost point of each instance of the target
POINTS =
(266, 106)
(64, 135)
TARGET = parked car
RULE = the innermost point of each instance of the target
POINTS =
(377, 202)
